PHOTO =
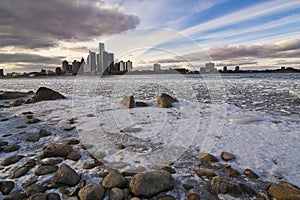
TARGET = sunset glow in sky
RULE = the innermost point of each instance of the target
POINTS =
(255, 34)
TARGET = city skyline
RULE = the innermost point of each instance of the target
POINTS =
(251, 34)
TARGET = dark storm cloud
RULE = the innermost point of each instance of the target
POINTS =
(235, 63)
(28, 58)
(286, 49)
(35, 24)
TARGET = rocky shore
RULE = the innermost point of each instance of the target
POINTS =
(42, 161)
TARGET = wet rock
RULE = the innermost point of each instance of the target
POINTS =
(27, 113)
(15, 196)
(128, 101)
(53, 196)
(42, 170)
(30, 163)
(66, 175)
(250, 173)
(204, 172)
(20, 172)
(165, 100)
(17, 103)
(11, 148)
(73, 141)
(187, 186)
(91, 192)
(44, 133)
(116, 194)
(130, 130)
(57, 150)
(284, 191)
(169, 169)
(141, 104)
(6, 187)
(114, 179)
(227, 156)
(14, 95)
(222, 186)
(38, 196)
(193, 196)
(74, 192)
(33, 121)
(247, 189)
(167, 197)
(45, 94)
(73, 156)
(30, 182)
(120, 146)
(3, 143)
(263, 196)
(11, 160)
(35, 189)
(148, 184)
(208, 157)
(33, 138)
(69, 128)
(20, 127)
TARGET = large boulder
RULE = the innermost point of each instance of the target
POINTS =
(6, 187)
(91, 192)
(14, 95)
(165, 100)
(45, 94)
(284, 191)
(221, 185)
(57, 150)
(128, 101)
(11, 160)
(114, 179)
(148, 184)
(66, 175)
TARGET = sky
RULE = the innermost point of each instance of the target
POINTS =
(256, 34)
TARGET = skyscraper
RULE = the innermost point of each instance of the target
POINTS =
(92, 62)
(129, 66)
(101, 58)
(110, 62)
(156, 67)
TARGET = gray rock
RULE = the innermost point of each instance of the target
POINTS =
(20, 172)
(204, 172)
(73, 141)
(114, 179)
(11, 148)
(116, 194)
(17, 102)
(38, 196)
(6, 187)
(227, 156)
(33, 121)
(44, 133)
(57, 150)
(130, 130)
(33, 138)
(45, 94)
(42, 170)
(148, 184)
(30, 163)
(53, 196)
(11, 160)
(15, 196)
(220, 185)
(73, 156)
(66, 175)
(165, 100)
(141, 104)
(91, 192)
(14, 95)
(3, 143)
(128, 101)
(35, 189)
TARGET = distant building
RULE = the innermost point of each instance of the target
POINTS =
(58, 71)
(209, 68)
(122, 66)
(110, 61)
(78, 66)
(225, 69)
(129, 66)
(92, 62)
(1, 72)
(65, 65)
(156, 67)
(100, 58)
(237, 69)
